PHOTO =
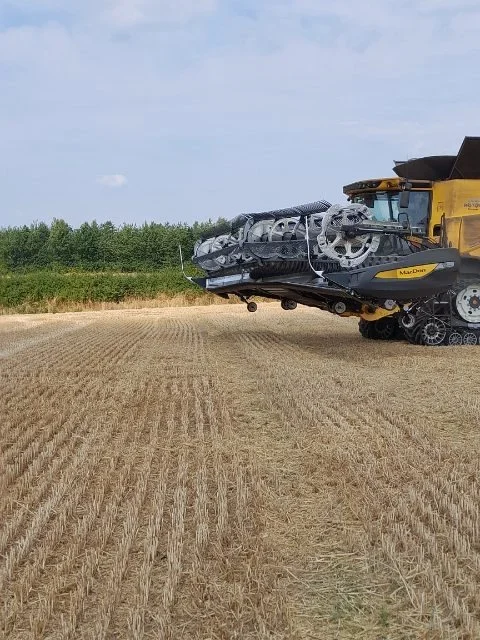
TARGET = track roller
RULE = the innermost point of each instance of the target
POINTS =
(408, 321)
(455, 339)
(470, 338)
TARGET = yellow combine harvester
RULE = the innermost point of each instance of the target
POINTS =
(403, 254)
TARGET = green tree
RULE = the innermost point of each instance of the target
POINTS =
(61, 244)
(88, 245)
(107, 244)
(100, 247)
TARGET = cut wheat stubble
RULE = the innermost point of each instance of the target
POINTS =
(205, 473)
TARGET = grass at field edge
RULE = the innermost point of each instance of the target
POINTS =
(175, 300)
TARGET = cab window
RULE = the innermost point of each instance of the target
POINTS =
(384, 206)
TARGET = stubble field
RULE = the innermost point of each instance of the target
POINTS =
(209, 473)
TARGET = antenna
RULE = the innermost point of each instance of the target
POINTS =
(307, 223)
(189, 278)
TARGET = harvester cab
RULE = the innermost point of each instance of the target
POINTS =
(394, 200)
(432, 195)
(403, 254)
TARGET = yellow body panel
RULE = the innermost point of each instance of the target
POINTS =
(459, 202)
(408, 273)
(379, 313)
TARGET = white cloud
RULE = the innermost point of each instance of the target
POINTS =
(440, 5)
(28, 46)
(113, 181)
(125, 13)
(122, 14)
(131, 13)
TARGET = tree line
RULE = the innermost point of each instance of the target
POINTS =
(97, 247)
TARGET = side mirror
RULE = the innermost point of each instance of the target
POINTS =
(403, 219)
(369, 200)
(404, 200)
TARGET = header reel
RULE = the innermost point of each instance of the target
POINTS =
(334, 235)
(339, 238)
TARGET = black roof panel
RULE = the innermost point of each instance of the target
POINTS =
(466, 164)
(429, 168)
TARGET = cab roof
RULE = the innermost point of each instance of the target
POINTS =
(384, 184)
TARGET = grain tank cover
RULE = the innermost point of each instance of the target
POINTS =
(431, 168)
(464, 166)
(467, 163)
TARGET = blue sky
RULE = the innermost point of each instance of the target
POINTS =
(182, 110)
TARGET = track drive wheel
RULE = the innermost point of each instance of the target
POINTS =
(383, 329)
(429, 332)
